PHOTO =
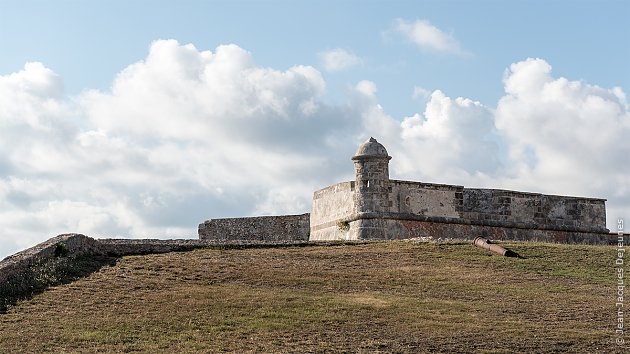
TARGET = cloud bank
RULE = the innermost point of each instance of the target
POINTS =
(185, 135)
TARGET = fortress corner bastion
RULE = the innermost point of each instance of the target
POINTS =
(375, 207)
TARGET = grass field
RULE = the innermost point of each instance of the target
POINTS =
(377, 297)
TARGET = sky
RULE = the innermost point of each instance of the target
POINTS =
(142, 119)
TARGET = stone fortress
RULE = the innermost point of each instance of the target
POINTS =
(374, 207)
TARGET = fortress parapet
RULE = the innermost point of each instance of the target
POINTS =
(375, 207)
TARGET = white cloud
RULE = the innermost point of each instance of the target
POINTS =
(173, 94)
(453, 137)
(338, 59)
(182, 135)
(426, 36)
(565, 136)
(185, 135)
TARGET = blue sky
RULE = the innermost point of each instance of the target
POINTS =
(446, 85)
(88, 42)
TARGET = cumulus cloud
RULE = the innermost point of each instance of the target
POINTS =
(426, 36)
(181, 136)
(338, 59)
(455, 137)
(186, 134)
(565, 136)
(231, 128)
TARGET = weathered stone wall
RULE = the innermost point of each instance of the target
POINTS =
(528, 210)
(67, 245)
(66, 257)
(335, 215)
(392, 226)
(468, 231)
(261, 228)
(330, 205)
(73, 245)
(510, 208)
(426, 198)
(48, 263)
(124, 247)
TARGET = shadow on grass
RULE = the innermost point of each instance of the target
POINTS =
(44, 274)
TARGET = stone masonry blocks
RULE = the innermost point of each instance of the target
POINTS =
(261, 228)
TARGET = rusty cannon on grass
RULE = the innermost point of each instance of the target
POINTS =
(485, 244)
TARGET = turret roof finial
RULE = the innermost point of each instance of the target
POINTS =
(371, 149)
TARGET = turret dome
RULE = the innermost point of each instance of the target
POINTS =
(371, 149)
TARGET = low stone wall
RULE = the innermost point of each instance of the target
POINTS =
(259, 228)
(388, 226)
(67, 245)
(55, 261)
(128, 247)
(125, 247)
(73, 245)
(68, 257)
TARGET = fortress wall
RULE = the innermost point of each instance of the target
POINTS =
(260, 228)
(330, 205)
(67, 245)
(427, 199)
(335, 218)
(124, 247)
(395, 227)
(526, 209)
(416, 228)
(43, 265)
(519, 209)
(68, 256)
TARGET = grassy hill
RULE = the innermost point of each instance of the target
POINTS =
(377, 297)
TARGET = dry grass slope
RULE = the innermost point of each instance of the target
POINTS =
(378, 297)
